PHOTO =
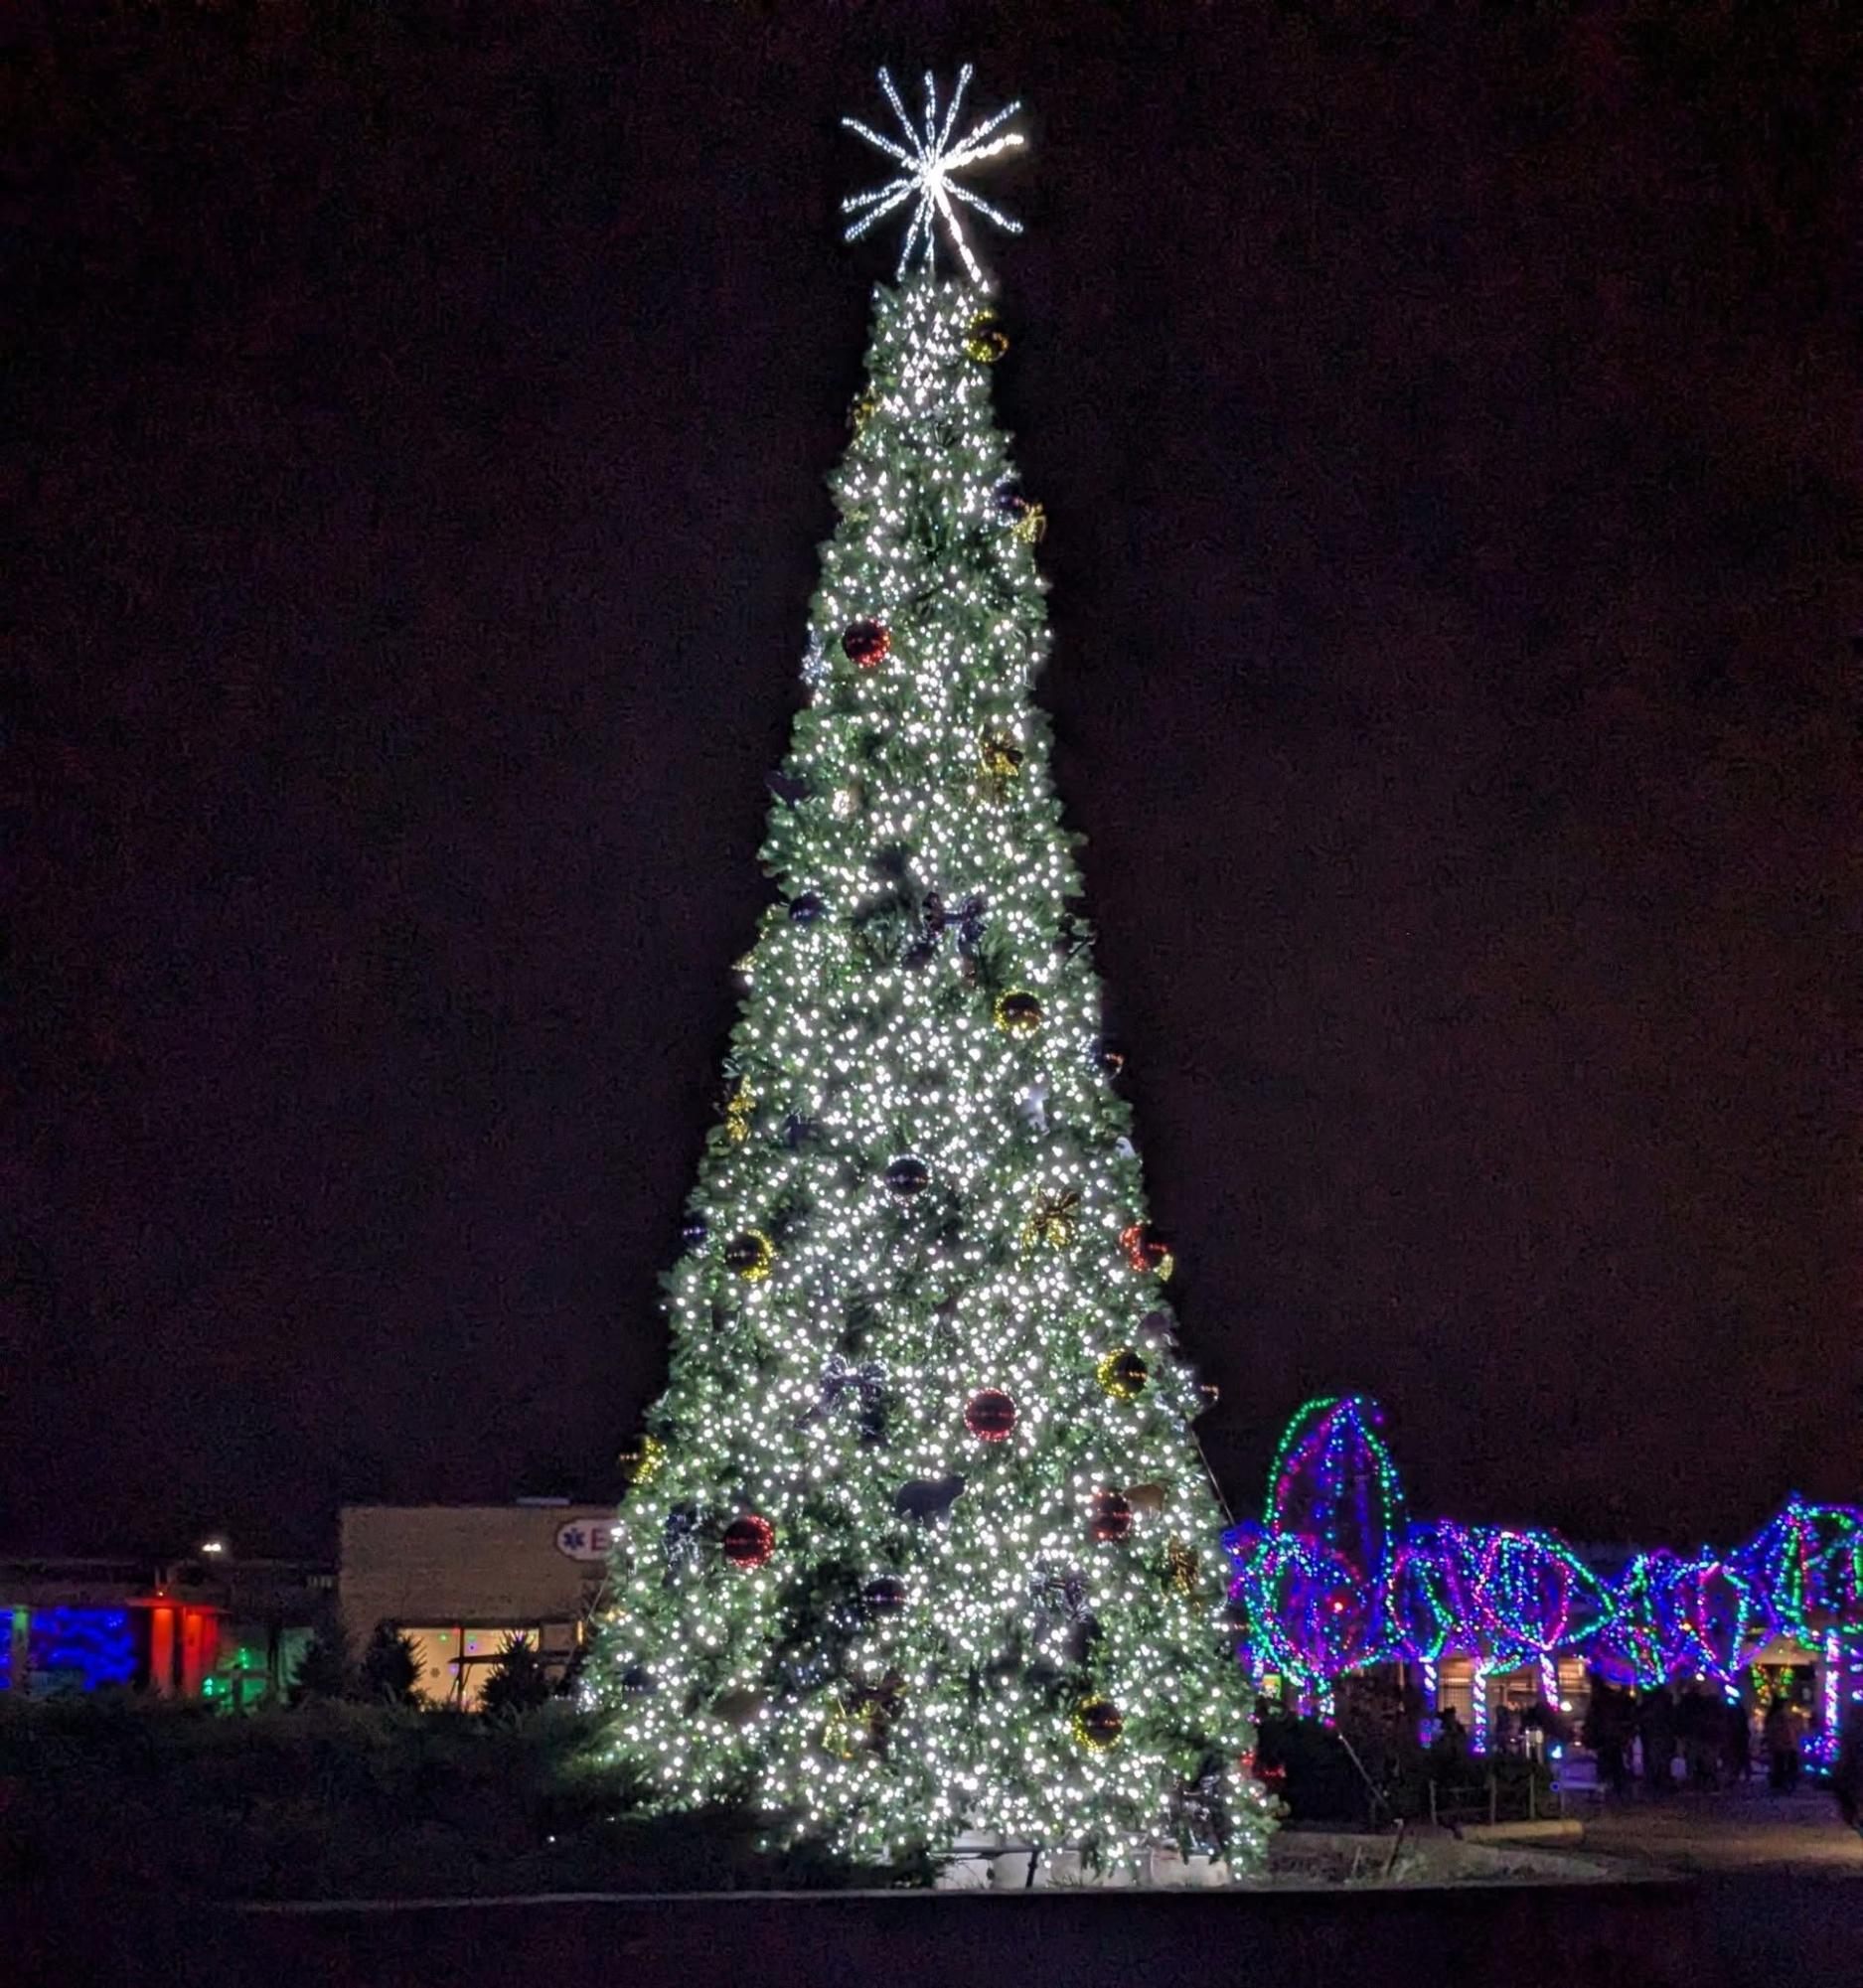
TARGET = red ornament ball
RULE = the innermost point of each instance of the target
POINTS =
(867, 643)
(989, 1416)
(1111, 1516)
(1145, 1252)
(750, 1541)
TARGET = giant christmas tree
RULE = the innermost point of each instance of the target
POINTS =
(920, 1539)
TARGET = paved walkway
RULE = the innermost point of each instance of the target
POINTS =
(1747, 1829)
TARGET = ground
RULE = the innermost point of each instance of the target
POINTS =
(1747, 1829)
(1745, 1925)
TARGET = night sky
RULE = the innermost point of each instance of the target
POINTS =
(416, 419)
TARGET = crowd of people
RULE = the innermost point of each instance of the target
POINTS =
(1703, 1739)
(1663, 1736)
(1645, 1735)
(1655, 1740)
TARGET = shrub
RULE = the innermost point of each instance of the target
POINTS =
(115, 1794)
(517, 1683)
(323, 1671)
(390, 1668)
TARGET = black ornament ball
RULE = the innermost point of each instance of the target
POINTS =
(885, 1596)
(806, 909)
(1010, 501)
(907, 1175)
(748, 1541)
(867, 643)
(1109, 1056)
(989, 1416)
(693, 1232)
(637, 1681)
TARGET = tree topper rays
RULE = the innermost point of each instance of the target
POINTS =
(929, 159)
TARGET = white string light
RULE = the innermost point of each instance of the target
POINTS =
(930, 161)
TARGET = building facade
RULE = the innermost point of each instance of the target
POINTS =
(461, 1581)
(223, 1631)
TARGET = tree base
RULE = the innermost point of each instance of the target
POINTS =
(982, 1862)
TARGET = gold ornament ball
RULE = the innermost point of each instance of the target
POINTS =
(1122, 1374)
(838, 1737)
(641, 1464)
(1098, 1724)
(986, 340)
(1181, 1565)
(1001, 757)
(861, 413)
(750, 1255)
(1018, 1012)
(1054, 1221)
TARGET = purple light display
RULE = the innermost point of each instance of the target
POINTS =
(1679, 1622)
(1437, 1614)
(1334, 1579)
(1534, 1596)
(1316, 1619)
(1317, 1580)
(1804, 1567)
(1711, 1615)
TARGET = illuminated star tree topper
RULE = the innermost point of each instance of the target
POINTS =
(929, 161)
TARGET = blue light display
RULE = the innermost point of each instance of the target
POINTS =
(79, 1649)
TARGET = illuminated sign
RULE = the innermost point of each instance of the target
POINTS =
(586, 1538)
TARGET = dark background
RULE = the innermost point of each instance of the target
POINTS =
(417, 417)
